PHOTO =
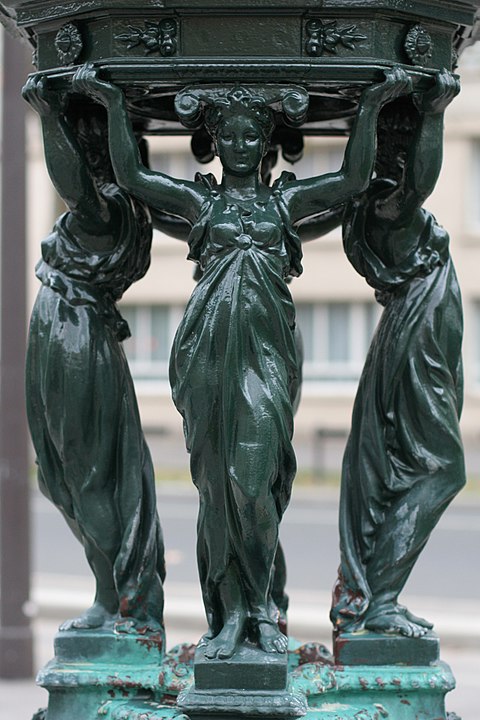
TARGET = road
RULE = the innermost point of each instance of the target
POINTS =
(448, 567)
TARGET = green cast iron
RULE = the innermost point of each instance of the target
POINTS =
(207, 69)
(404, 459)
(154, 48)
(237, 403)
(93, 462)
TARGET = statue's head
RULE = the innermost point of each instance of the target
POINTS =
(240, 120)
(241, 125)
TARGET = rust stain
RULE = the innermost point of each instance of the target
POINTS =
(123, 606)
(123, 684)
(314, 653)
(150, 641)
(187, 654)
(169, 699)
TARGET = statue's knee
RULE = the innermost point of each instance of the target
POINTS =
(459, 479)
(251, 491)
(452, 481)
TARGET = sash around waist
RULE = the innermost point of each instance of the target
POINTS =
(77, 292)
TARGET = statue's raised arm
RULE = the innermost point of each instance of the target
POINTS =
(159, 191)
(67, 161)
(313, 195)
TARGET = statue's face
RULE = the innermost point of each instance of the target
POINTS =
(240, 145)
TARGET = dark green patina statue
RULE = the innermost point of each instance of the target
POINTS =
(235, 367)
(93, 462)
(404, 458)
(245, 79)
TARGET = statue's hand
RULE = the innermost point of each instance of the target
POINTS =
(87, 82)
(397, 82)
(43, 99)
(436, 100)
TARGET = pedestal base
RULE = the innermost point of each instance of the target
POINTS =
(252, 683)
(375, 692)
(91, 666)
(249, 669)
(137, 688)
(228, 704)
(369, 648)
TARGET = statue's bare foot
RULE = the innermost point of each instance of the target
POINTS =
(271, 639)
(95, 617)
(227, 641)
(205, 639)
(415, 618)
(393, 620)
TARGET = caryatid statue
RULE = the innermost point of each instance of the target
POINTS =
(404, 459)
(93, 462)
(235, 367)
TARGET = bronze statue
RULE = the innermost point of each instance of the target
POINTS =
(404, 459)
(93, 462)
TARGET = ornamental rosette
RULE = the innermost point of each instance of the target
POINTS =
(418, 45)
(68, 44)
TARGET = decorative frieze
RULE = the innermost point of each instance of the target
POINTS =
(327, 36)
(155, 37)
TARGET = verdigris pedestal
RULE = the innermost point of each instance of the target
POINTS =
(328, 691)
(90, 666)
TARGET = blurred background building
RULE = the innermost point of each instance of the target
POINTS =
(336, 309)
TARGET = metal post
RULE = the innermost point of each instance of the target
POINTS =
(16, 644)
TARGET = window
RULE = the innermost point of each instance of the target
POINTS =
(336, 337)
(316, 160)
(181, 163)
(153, 328)
(319, 160)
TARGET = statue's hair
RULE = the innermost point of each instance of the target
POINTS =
(239, 101)
(396, 126)
(91, 129)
